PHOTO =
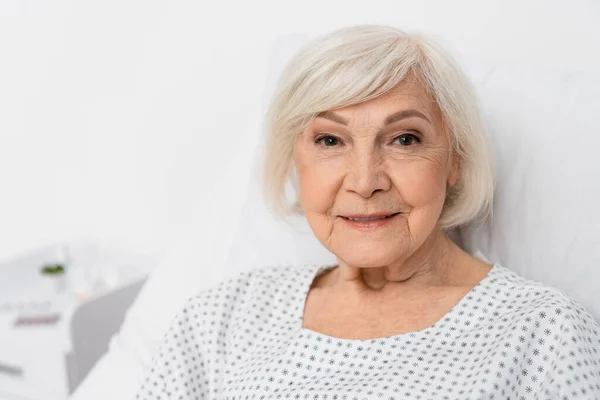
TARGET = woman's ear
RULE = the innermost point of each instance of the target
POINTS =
(454, 173)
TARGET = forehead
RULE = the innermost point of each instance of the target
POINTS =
(409, 94)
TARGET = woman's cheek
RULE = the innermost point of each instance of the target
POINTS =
(319, 183)
(419, 183)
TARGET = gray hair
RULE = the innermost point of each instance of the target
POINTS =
(356, 64)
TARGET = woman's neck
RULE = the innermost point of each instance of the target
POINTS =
(434, 263)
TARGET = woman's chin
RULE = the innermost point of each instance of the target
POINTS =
(377, 256)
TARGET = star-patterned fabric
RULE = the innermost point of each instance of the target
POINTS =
(508, 338)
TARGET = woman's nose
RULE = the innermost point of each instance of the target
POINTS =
(367, 174)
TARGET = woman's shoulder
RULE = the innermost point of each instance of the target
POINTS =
(236, 292)
(544, 329)
(506, 281)
(548, 323)
(535, 302)
(239, 281)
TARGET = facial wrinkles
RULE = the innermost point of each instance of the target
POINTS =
(420, 264)
(417, 178)
(365, 164)
(378, 278)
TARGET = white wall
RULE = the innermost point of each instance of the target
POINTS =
(114, 113)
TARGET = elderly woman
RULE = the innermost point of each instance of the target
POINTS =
(379, 133)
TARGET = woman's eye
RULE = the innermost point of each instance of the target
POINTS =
(407, 139)
(327, 141)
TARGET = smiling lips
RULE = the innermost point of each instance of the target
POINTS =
(368, 222)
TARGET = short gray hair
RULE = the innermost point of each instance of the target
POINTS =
(355, 64)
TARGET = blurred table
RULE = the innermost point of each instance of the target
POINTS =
(50, 340)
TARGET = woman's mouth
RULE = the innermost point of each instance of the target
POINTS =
(368, 222)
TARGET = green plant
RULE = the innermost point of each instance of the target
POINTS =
(53, 269)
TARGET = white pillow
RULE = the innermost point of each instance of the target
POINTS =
(197, 259)
(258, 239)
(546, 138)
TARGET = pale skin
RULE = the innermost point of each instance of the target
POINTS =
(388, 155)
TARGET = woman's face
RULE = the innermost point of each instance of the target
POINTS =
(386, 164)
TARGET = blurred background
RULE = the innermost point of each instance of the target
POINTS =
(118, 120)
(110, 111)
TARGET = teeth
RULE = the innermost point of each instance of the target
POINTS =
(368, 219)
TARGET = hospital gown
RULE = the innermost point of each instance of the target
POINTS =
(508, 338)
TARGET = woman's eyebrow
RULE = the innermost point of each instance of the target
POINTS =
(395, 117)
(405, 114)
